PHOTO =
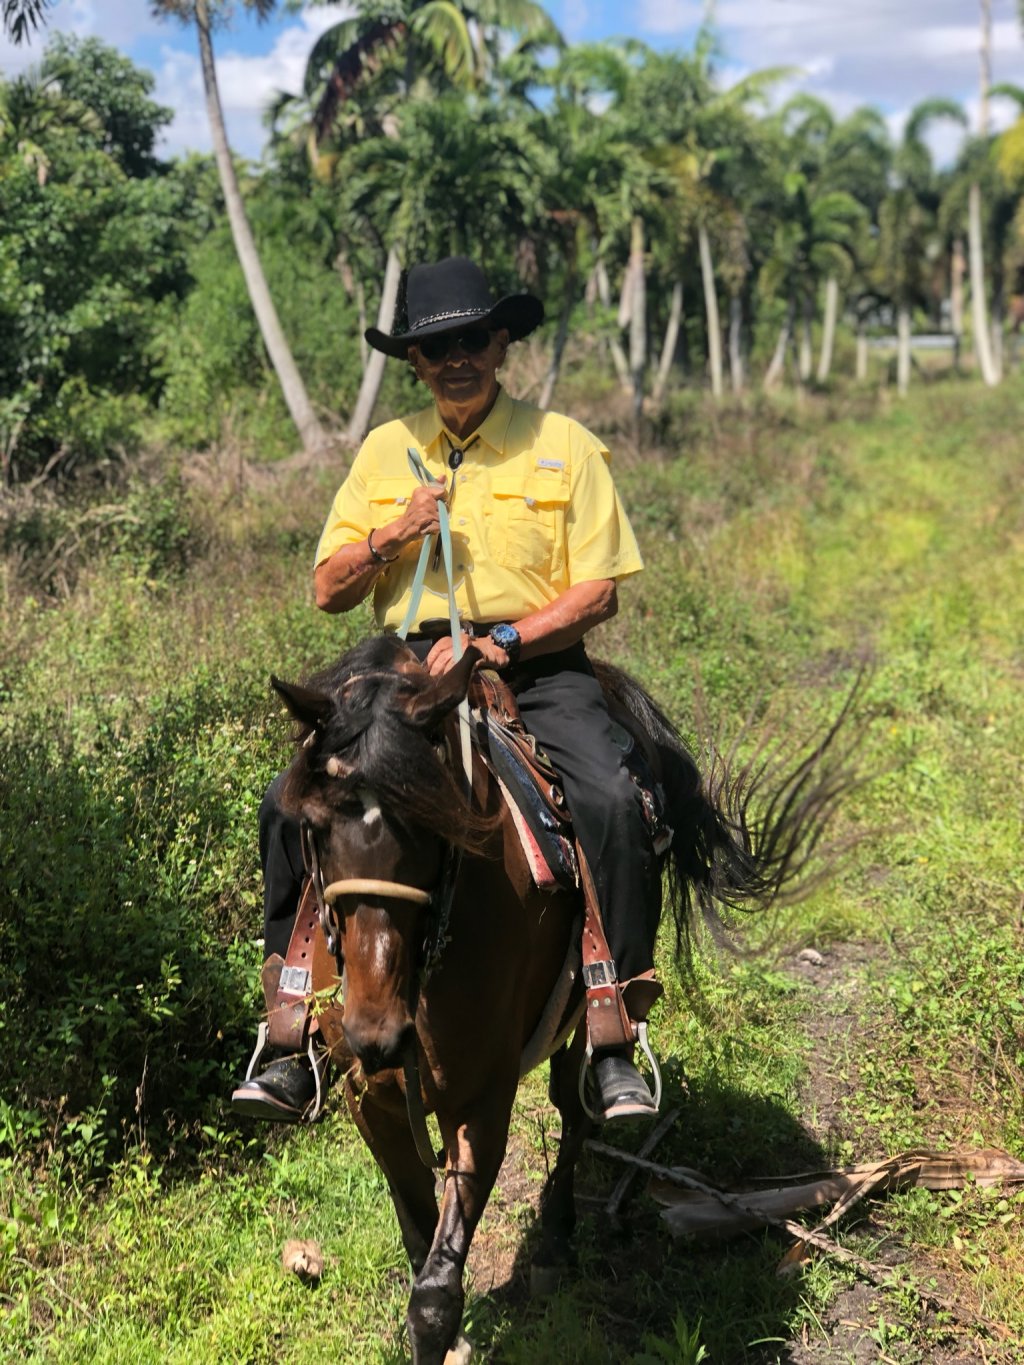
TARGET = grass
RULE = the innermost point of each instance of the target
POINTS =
(139, 1222)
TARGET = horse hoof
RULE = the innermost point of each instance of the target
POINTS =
(545, 1280)
(460, 1354)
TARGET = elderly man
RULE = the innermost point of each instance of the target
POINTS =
(540, 542)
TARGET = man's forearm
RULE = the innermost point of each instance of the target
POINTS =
(342, 581)
(565, 621)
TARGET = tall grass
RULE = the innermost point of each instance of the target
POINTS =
(783, 546)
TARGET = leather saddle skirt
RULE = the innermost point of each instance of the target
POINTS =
(533, 789)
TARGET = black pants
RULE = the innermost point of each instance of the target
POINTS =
(562, 705)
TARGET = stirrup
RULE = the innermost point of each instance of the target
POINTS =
(319, 1060)
(645, 1048)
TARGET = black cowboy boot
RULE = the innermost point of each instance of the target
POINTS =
(620, 1091)
(284, 1090)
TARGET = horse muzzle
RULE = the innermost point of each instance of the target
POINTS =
(381, 1046)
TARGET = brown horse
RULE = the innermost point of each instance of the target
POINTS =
(448, 952)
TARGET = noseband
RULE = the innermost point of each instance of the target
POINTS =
(440, 899)
(373, 886)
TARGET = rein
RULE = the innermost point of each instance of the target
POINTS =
(439, 901)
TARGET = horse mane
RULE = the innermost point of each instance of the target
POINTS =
(369, 731)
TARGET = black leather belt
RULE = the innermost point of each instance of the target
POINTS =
(437, 627)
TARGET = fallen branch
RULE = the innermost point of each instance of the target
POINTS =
(994, 1167)
(621, 1191)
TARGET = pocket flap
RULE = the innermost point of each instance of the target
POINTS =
(390, 489)
(540, 485)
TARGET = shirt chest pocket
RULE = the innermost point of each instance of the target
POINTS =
(388, 499)
(529, 520)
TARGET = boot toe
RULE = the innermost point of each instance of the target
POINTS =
(282, 1092)
(622, 1092)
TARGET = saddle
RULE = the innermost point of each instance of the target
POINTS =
(536, 802)
(533, 789)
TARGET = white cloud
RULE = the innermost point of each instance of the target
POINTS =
(669, 16)
(574, 17)
(118, 22)
(892, 53)
(247, 84)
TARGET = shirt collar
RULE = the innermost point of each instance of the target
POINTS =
(492, 431)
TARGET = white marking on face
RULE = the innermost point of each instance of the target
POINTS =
(371, 808)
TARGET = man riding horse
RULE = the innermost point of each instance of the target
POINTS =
(540, 541)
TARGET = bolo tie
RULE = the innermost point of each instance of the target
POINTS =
(456, 454)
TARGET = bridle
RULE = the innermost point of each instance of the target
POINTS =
(439, 901)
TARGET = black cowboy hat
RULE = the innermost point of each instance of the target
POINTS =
(450, 296)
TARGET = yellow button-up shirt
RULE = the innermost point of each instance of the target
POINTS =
(533, 511)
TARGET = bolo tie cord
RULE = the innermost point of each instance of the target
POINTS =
(456, 454)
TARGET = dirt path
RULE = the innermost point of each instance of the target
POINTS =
(862, 1324)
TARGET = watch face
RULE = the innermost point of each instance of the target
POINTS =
(505, 637)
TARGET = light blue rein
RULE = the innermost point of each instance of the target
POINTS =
(421, 472)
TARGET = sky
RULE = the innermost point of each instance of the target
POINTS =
(891, 53)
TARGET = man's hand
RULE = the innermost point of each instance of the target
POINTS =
(421, 517)
(440, 660)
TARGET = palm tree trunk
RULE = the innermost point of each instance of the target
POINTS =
(997, 333)
(707, 276)
(778, 361)
(861, 371)
(903, 349)
(281, 358)
(637, 319)
(668, 348)
(555, 365)
(805, 358)
(828, 332)
(736, 372)
(364, 345)
(979, 312)
(362, 413)
(604, 293)
(957, 269)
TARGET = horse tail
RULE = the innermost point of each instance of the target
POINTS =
(748, 835)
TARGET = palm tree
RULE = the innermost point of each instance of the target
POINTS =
(37, 118)
(815, 239)
(592, 190)
(294, 390)
(857, 160)
(19, 17)
(708, 145)
(449, 42)
(907, 225)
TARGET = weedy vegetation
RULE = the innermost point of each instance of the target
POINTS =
(786, 545)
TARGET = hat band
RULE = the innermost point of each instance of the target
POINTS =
(454, 313)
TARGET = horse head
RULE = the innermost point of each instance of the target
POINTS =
(373, 788)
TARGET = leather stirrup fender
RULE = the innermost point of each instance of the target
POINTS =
(608, 1024)
(290, 984)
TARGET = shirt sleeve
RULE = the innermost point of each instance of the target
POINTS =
(349, 519)
(599, 538)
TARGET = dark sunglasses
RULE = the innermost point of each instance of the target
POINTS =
(474, 340)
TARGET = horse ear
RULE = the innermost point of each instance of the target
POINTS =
(308, 707)
(426, 709)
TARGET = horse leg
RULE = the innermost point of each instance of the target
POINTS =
(412, 1186)
(557, 1202)
(475, 1146)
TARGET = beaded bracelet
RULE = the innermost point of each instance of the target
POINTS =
(381, 559)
